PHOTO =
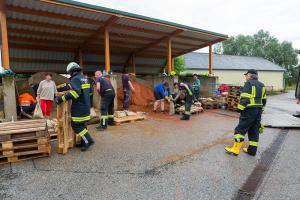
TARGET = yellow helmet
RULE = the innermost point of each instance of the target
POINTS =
(173, 73)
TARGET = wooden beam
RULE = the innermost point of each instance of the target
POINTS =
(106, 50)
(96, 34)
(169, 56)
(80, 57)
(5, 49)
(167, 37)
(53, 15)
(173, 64)
(133, 64)
(210, 61)
(50, 26)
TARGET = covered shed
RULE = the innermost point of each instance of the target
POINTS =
(45, 35)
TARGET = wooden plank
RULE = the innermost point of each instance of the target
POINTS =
(5, 49)
(22, 158)
(107, 51)
(169, 56)
(120, 120)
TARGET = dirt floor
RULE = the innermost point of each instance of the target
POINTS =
(161, 158)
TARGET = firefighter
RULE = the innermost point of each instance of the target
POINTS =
(186, 91)
(79, 92)
(107, 93)
(253, 99)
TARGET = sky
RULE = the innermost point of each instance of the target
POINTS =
(231, 17)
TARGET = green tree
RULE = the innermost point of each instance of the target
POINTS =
(179, 64)
(262, 44)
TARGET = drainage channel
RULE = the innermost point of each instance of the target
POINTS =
(250, 187)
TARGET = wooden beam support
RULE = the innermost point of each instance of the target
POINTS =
(106, 51)
(4, 47)
(96, 34)
(210, 61)
(133, 64)
(173, 64)
(80, 57)
(169, 56)
(152, 44)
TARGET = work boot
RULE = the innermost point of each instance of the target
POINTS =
(81, 144)
(185, 117)
(249, 152)
(101, 128)
(235, 149)
(110, 122)
(87, 142)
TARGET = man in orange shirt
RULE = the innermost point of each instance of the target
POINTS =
(27, 103)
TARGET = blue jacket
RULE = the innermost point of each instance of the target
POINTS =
(161, 90)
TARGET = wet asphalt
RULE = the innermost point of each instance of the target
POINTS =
(162, 158)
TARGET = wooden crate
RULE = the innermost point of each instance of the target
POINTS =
(23, 140)
(128, 119)
(65, 135)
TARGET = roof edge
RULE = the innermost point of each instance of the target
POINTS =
(128, 14)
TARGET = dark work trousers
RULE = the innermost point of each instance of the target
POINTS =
(80, 129)
(28, 109)
(188, 104)
(249, 122)
(196, 95)
(127, 98)
(107, 108)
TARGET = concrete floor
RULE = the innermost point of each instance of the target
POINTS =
(160, 158)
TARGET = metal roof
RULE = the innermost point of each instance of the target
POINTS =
(40, 30)
(229, 62)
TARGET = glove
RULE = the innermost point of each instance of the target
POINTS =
(58, 100)
(261, 128)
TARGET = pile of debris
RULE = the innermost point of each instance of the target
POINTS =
(196, 108)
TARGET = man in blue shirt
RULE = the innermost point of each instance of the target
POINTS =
(161, 92)
(196, 87)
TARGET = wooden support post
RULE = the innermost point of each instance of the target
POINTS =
(173, 64)
(169, 56)
(106, 49)
(80, 57)
(133, 64)
(4, 46)
(210, 60)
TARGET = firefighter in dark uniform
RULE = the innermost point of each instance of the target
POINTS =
(107, 93)
(79, 92)
(185, 90)
(253, 99)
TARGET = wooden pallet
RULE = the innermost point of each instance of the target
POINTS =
(128, 119)
(23, 140)
(20, 157)
(65, 135)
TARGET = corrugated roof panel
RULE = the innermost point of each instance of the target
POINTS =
(149, 61)
(49, 30)
(134, 33)
(32, 4)
(199, 35)
(37, 67)
(44, 37)
(144, 25)
(35, 54)
(187, 41)
(15, 15)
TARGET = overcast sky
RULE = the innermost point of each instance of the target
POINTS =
(232, 17)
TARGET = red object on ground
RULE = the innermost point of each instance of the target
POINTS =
(46, 106)
(223, 88)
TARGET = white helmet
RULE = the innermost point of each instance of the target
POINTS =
(71, 66)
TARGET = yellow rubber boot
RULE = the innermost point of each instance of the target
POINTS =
(245, 150)
(235, 149)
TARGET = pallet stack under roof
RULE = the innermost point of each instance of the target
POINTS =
(233, 98)
(24, 140)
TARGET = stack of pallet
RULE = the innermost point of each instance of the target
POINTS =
(24, 140)
(233, 97)
(121, 117)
